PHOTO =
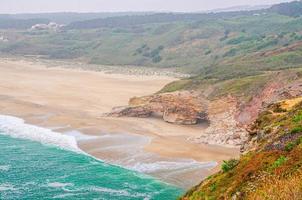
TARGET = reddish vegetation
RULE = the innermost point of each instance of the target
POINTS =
(289, 48)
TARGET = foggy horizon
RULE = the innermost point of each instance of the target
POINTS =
(94, 6)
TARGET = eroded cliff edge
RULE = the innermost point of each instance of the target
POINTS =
(229, 106)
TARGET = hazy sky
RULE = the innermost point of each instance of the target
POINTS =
(26, 6)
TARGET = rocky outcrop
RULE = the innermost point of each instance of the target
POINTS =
(277, 90)
(256, 135)
(224, 129)
(228, 115)
(183, 115)
(178, 108)
(130, 112)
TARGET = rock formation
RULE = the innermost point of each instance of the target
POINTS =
(224, 129)
(178, 108)
(228, 115)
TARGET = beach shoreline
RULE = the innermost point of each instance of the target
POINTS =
(67, 100)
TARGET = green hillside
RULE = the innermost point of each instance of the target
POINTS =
(215, 45)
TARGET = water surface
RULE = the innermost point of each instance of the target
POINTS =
(31, 170)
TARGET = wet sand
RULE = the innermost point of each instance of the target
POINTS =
(68, 100)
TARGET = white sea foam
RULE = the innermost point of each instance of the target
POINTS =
(6, 187)
(133, 155)
(17, 128)
(124, 193)
(4, 167)
(59, 185)
(111, 191)
(63, 196)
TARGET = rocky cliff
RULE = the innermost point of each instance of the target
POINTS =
(229, 106)
(271, 165)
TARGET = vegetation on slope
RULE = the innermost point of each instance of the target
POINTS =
(293, 9)
(68, 17)
(271, 168)
(8, 23)
(215, 45)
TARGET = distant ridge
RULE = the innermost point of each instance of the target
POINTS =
(292, 9)
(241, 8)
(69, 17)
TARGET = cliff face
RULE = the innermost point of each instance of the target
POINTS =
(271, 165)
(231, 114)
(223, 127)
(229, 106)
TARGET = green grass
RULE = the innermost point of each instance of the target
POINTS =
(229, 165)
(279, 162)
(193, 47)
(244, 87)
(176, 86)
(298, 118)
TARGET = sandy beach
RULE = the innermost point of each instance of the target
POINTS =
(72, 101)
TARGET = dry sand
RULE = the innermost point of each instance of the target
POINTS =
(66, 100)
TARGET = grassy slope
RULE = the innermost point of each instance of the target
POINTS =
(273, 170)
(244, 88)
(216, 47)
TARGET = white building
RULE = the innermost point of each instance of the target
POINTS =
(51, 26)
(3, 39)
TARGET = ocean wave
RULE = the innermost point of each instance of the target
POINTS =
(65, 195)
(7, 187)
(4, 167)
(17, 128)
(59, 185)
(134, 157)
(123, 193)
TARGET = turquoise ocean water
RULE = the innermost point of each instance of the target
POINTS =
(31, 170)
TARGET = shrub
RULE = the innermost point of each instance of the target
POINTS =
(267, 44)
(230, 53)
(213, 187)
(289, 146)
(298, 141)
(156, 59)
(208, 52)
(161, 47)
(228, 165)
(279, 162)
(298, 118)
(296, 130)
(237, 40)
